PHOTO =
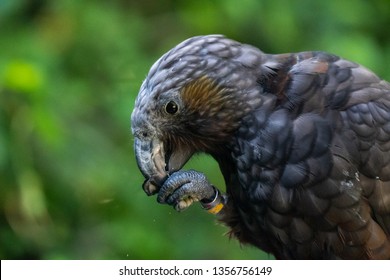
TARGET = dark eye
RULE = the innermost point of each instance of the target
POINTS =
(171, 107)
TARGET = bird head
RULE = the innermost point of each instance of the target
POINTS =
(193, 100)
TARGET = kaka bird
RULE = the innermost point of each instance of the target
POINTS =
(302, 140)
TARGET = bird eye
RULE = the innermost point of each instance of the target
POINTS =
(171, 107)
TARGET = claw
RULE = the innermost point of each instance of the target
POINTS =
(183, 188)
(184, 204)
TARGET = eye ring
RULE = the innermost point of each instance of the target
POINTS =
(171, 107)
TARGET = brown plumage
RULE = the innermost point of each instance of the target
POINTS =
(303, 142)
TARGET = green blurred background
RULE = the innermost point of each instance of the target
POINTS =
(69, 74)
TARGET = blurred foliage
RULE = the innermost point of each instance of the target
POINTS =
(69, 74)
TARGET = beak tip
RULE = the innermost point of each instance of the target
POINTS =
(149, 188)
(152, 186)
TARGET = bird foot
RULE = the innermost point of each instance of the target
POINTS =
(183, 188)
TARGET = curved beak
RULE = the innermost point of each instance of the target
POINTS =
(156, 162)
(150, 157)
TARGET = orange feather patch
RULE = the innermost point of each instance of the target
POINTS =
(204, 96)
